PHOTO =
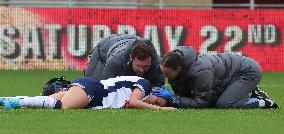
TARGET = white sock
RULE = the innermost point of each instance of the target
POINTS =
(261, 103)
(38, 102)
(7, 98)
(20, 97)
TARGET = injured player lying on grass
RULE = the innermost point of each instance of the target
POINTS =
(85, 92)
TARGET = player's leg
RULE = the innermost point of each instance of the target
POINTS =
(74, 98)
(81, 94)
(32, 102)
(58, 95)
(236, 95)
(4, 99)
(52, 101)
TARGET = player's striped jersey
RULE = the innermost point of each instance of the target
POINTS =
(119, 90)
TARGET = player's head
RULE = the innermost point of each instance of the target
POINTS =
(141, 57)
(155, 100)
(171, 65)
(55, 85)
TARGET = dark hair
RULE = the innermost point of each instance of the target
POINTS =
(141, 51)
(54, 85)
(172, 60)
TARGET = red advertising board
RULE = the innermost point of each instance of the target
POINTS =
(61, 38)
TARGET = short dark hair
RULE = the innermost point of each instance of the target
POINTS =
(171, 60)
(141, 51)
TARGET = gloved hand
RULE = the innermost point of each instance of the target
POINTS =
(163, 92)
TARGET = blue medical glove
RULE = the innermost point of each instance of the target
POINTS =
(163, 92)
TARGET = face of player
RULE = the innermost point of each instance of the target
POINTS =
(159, 101)
(170, 73)
(140, 67)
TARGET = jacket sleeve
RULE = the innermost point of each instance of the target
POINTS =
(111, 68)
(97, 58)
(202, 92)
(92, 62)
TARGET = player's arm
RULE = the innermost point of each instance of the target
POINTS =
(136, 101)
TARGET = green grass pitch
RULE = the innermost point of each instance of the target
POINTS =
(133, 121)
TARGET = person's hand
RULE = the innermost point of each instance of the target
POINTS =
(163, 92)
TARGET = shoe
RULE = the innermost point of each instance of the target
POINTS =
(12, 104)
(257, 93)
(2, 101)
(251, 103)
(269, 103)
(262, 94)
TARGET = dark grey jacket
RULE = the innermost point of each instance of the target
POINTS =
(203, 78)
(111, 58)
